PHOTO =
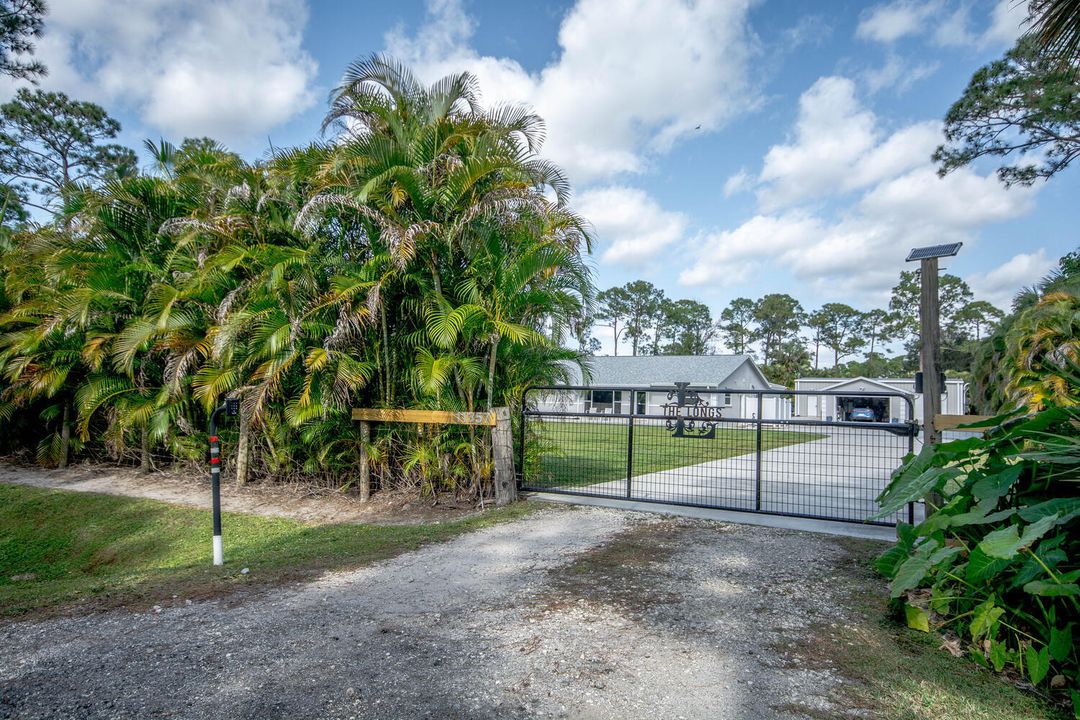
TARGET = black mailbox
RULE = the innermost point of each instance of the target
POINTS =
(919, 382)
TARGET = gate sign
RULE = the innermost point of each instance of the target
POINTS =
(689, 415)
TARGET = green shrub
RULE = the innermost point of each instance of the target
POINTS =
(997, 561)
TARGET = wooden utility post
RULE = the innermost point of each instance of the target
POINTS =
(930, 356)
(365, 468)
(502, 448)
(930, 331)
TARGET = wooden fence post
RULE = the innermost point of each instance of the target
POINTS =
(502, 447)
(365, 469)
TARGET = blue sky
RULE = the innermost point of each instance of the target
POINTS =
(720, 148)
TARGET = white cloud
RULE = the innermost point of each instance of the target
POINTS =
(999, 285)
(739, 182)
(629, 225)
(1006, 23)
(951, 28)
(961, 201)
(838, 148)
(861, 251)
(731, 255)
(898, 74)
(809, 30)
(630, 79)
(891, 21)
(944, 23)
(231, 70)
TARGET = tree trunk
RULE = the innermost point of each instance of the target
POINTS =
(144, 450)
(436, 278)
(65, 435)
(615, 334)
(386, 353)
(491, 372)
(242, 447)
(817, 353)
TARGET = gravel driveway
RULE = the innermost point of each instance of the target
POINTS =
(571, 612)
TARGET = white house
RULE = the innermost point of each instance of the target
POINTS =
(726, 375)
(841, 395)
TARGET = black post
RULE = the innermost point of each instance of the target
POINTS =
(521, 436)
(629, 452)
(231, 407)
(911, 451)
(215, 484)
(757, 483)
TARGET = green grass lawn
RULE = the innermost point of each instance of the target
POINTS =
(61, 549)
(574, 454)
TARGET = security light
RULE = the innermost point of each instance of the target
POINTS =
(933, 251)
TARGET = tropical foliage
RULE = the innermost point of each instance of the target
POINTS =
(1028, 359)
(411, 261)
(997, 563)
(1055, 25)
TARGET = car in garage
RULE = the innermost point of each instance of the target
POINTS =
(862, 414)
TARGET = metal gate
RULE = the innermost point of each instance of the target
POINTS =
(814, 454)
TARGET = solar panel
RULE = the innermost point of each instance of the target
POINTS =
(934, 251)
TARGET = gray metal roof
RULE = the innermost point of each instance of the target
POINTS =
(646, 370)
(882, 380)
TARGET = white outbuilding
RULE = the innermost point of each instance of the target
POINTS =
(840, 396)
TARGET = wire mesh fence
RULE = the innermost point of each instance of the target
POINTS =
(727, 448)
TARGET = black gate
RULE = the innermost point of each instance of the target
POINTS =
(814, 454)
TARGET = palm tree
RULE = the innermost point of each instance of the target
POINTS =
(1055, 24)
(1028, 357)
(41, 366)
(122, 296)
(427, 256)
(426, 170)
(286, 333)
(1043, 346)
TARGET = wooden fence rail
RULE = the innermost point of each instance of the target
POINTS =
(501, 441)
(952, 422)
(425, 417)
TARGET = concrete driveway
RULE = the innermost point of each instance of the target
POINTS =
(836, 477)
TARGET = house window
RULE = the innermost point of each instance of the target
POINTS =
(602, 397)
(727, 399)
(606, 401)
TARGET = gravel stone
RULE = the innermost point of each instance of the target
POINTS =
(580, 613)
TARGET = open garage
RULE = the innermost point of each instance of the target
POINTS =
(845, 404)
(839, 396)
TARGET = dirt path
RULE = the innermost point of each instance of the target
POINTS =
(584, 613)
(308, 506)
